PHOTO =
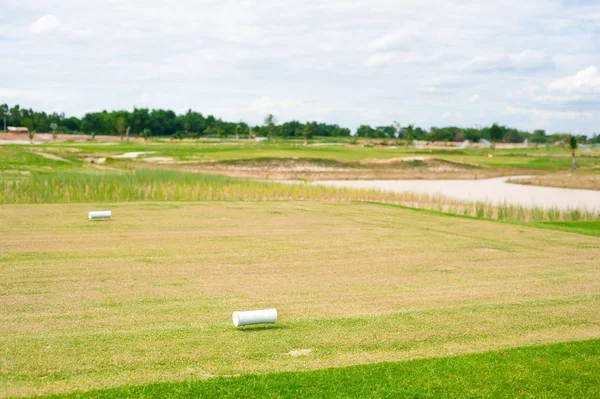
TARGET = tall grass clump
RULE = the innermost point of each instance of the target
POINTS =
(166, 185)
(170, 185)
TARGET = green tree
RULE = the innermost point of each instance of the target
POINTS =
(572, 142)
(496, 133)
(539, 136)
(146, 134)
(31, 136)
(221, 132)
(270, 122)
(308, 132)
(365, 131)
(28, 123)
(53, 126)
(178, 136)
(4, 114)
(409, 134)
(397, 131)
(120, 126)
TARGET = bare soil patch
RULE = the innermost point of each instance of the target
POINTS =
(324, 169)
(132, 155)
(160, 160)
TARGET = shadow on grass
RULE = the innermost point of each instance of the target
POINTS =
(260, 327)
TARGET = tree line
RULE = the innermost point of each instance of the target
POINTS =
(160, 122)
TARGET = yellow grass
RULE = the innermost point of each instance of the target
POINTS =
(148, 296)
(581, 180)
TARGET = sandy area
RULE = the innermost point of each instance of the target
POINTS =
(132, 155)
(162, 160)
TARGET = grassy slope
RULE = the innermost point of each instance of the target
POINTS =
(147, 297)
(550, 371)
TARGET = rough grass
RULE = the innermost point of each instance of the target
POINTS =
(564, 370)
(91, 185)
(580, 180)
(148, 296)
(30, 159)
(163, 185)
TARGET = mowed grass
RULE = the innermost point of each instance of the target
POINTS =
(147, 297)
(564, 370)
(591, 228)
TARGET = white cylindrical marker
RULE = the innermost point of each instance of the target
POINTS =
(100, 215)
(266, 316)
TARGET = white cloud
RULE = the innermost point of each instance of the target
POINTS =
(380, 59)
(456, 115)
(400, 58)
(50, 24)
(528, 60)
(443, 86)
(129, 34)
(344, 62)
(394, 40)
(581, 88)
(7, 95)
(531, 60)
(584, 82)
(474, 98)
(545, 115)
(488, 64)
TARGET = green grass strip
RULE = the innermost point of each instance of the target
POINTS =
(590, 228)
(570, 369)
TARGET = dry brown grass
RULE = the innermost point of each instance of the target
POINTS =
(586, 181)
(348, 174)
(148, 296)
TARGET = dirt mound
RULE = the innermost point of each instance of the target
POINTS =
(284, 165)
(328, 169)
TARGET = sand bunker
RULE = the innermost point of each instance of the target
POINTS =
(132, 155)
(162, 160)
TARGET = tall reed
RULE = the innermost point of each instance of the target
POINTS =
(166, 185)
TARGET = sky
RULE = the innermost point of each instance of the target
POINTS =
(530, 64)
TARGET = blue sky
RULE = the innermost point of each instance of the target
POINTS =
(528, 64)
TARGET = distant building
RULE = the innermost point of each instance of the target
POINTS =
(13, 129)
